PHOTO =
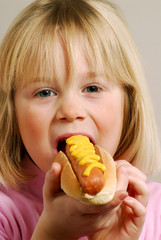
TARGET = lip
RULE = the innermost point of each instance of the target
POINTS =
(67, 135)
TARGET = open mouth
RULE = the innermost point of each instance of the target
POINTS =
(61, 145)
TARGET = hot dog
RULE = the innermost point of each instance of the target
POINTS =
(88, 172)
(86, 164)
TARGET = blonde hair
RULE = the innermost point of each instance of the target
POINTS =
(29, 52)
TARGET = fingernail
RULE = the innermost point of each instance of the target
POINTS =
(55, 168)
(123, 170)
(123, 196)
(128, 199)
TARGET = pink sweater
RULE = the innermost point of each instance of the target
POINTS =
(20, 210)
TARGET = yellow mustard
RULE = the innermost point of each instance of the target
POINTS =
(83, 150)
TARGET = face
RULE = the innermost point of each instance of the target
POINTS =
(49, 112)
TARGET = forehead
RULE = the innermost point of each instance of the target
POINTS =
(57, 56)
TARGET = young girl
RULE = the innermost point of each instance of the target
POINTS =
(70, 67)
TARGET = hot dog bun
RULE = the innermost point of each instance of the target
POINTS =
(71, 186)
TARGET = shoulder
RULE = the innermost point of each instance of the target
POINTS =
(154, 204)
(19, 214)
(16, 199)
(152, 225)
(155, 190)
(8, 209)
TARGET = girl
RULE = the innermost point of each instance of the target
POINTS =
(70, 67)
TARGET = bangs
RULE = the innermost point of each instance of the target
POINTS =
(42, 62)
(36, 40)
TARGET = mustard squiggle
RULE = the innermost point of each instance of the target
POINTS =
(83, 150)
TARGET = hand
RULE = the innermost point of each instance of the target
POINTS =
(66, 218)
(129, 218)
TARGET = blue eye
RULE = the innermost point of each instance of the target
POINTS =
(45, 93)
(92, 89)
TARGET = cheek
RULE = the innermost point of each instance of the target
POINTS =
(110, 123)
(111, 114)
(110, 126)
(34, 133)
(28, 123)
(33, 125)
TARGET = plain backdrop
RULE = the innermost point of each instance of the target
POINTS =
(144, 20)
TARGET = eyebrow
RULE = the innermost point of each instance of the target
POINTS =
(38, 80)
(87, 75)
(90, 74)
(93, 75)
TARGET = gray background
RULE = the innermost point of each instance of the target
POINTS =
(144, 20)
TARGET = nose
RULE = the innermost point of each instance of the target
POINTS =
(70, 109)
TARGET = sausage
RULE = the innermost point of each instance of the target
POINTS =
(93, 182)
(86, 175)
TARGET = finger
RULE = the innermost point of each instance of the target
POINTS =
(139, 190)
(118, 199)
(52, 181)
(137, 182)
(138, 210)
(122, 178)
(130, 169)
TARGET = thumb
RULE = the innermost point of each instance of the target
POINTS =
(52, 181)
